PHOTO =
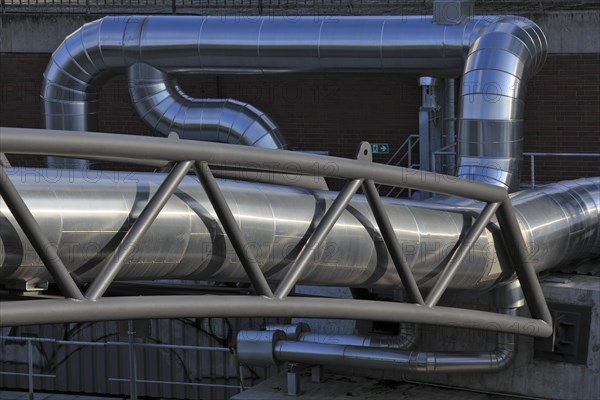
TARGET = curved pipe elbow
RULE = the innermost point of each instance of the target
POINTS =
(165, 108)
(501, 59)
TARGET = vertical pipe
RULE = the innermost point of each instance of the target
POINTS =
(450, 125)
(532, 161)
(30, 369)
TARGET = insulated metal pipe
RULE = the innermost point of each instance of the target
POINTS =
(370, 352)
(501, 54)
(164, 107)
(85, 215)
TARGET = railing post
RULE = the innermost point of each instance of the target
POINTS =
(132, 361)
(532, 163)
(30, 369)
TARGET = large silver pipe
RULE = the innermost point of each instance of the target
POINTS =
(499, 63)
(165, 108)
(501, 54)
(85, 215)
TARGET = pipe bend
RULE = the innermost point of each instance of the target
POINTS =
(161, 103)
(501, 59)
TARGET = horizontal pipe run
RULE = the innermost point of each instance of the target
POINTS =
(371, 352)
(155, 307)
(84, 144)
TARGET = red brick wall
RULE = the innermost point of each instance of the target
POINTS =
(335, 112)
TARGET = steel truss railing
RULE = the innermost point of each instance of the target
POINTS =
(267, 303)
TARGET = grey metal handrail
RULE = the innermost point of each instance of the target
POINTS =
(132, 345)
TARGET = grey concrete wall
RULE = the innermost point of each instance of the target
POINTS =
(40, 33)
(569, 32)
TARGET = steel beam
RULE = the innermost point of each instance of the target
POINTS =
(87, 144)
(243, 251)
(137, 230)
(154, 307)
(460, 254)
(517, 254)
(38, 239)
(331, 216)
(391, 241)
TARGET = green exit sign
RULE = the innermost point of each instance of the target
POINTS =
(380, 148)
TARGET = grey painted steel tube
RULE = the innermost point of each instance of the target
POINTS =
(316, 239)
(501, 53)
(461, 253)
(518, 254)
(242, 250)
(35, 235)
(137, 230)
(164, 107)
(391, 241)
(81, 144)
(151, 307)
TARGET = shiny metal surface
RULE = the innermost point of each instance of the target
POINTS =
(164, 107)
(490, 128)
(85, 215)
(501, 54)
(379, 353)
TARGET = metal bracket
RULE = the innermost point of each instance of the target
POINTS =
(570, 339)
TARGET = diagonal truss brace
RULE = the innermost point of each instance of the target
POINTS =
(232, 230)
(103, 146)
(38, 239)
(137, 230)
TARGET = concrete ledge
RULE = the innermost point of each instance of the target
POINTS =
(357, 388)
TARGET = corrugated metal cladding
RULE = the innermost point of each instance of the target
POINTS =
(87, 369)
